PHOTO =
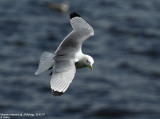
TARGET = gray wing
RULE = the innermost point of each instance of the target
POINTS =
(62, 76)
(73, 42)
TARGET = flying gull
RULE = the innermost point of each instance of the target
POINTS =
(68, 56)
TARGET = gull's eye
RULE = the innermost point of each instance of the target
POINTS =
(87, 61)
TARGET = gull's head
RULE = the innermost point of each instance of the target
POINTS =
(88, 61)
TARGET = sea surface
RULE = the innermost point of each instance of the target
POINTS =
(125, 81)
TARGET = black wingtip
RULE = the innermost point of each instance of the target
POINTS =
(56, 93)
(73, 14)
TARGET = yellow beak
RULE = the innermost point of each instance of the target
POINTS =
(90, 66)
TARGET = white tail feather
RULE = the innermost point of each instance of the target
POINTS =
(46, 62)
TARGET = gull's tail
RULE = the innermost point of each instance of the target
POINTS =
(46, 62)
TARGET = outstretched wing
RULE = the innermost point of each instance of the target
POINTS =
(73, 42)
(62, 76)
(78, 23)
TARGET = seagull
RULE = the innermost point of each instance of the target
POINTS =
(68, 57)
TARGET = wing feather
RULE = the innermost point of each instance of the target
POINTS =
(79, 23)
(62, 76)
(72, 43)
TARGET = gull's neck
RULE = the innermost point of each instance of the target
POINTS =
(78, 56)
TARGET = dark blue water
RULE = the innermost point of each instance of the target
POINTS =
(125, 82)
